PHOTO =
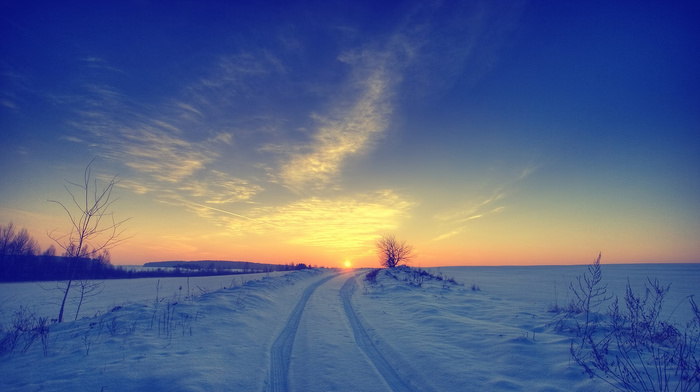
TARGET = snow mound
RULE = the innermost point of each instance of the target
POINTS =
(447, 335)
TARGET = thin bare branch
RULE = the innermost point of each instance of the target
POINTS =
(93, 226)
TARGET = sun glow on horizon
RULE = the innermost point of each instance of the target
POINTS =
(347, 264)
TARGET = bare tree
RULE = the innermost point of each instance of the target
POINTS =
(50, 251)
(7, 240)
(16, 250)
(391, 252)
(93, 226)
(14, 243)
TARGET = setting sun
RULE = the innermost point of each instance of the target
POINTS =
(348, 264)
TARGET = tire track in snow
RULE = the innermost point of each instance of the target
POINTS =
(281, 350)
(364, 341)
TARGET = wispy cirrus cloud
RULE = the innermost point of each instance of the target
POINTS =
(470, 210)
(458, 219)
(462, 223)
(16, 88)
(167, 163)
(359, 115)
(234, 80)
(161, 155)
(220, 188)
(8, 103)
(361, 112)
(169, 147)
(99, 63)
(351, 132)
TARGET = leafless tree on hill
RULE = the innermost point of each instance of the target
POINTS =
(391, 252)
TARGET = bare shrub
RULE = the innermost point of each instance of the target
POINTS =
(633, 348)
(371, 276)
(166, 321)
(25, 330)
(589, 294)
(114, 326)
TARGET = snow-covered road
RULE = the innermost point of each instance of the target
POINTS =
(325, 347)
(325, 356)
(281, 351)
(368, 346)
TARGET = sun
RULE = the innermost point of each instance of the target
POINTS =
(348, 264)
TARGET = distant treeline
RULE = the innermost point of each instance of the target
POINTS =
(20, 260)
(222, 265)
(20, 268)
(42, 268)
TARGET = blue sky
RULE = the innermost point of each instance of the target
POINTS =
(480, 132)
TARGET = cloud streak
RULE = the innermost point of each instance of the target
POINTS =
(458, 219)
(351, 133)
(220, 188)
(202, 207)
(169, 148)
(461, 217)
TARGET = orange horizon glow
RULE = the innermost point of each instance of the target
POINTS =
(191, 246)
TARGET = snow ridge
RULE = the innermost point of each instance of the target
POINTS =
(281, 350)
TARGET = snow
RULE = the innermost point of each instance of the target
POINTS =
(44, 298)
(320, 330)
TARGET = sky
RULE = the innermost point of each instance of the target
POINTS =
(480, 132)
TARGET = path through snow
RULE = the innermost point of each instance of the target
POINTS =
(281, 350)
(391, 377)
(332, 340)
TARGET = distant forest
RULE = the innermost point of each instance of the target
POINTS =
(221, 265)
(21, 260)
(43, 268)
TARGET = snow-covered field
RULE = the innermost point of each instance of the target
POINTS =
(320, 330)
(44, 299)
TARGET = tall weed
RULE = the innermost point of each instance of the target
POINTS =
(631, 347)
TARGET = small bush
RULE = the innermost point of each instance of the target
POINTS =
(633, 349)
(568, 310)
(372, 275)
(25, 330)
(114, 326)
